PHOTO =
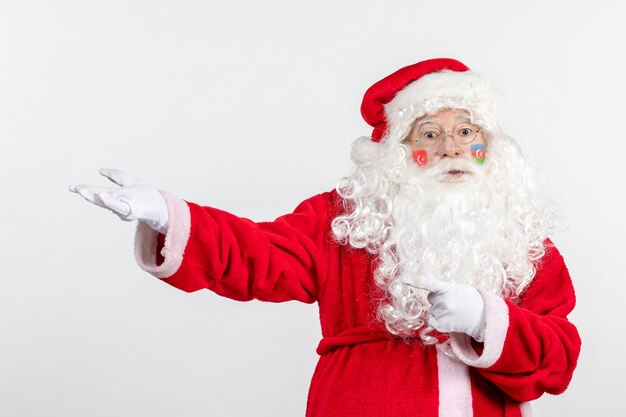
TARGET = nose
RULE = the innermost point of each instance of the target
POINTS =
(449, 148)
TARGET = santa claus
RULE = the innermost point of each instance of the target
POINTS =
(439, 291)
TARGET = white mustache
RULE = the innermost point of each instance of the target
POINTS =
(445, 165)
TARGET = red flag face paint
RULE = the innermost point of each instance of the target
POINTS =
(478, 153)
(420, 157)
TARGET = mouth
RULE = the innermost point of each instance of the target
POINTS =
(455, 172)
(455, 175)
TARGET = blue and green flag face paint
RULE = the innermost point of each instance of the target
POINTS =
(478, 153)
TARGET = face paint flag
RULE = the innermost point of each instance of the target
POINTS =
(478, 153)
(420, 157)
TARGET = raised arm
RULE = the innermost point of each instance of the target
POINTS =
(236, 257)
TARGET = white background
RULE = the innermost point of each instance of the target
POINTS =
(252, 107)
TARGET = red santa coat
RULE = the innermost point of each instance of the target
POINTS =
(530, 347)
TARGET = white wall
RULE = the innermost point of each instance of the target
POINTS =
(251, 107)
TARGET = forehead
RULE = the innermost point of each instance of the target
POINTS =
(444, 116)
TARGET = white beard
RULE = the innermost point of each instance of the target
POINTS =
(449, 228)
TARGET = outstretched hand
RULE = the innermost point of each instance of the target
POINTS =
(454, 307)
(133, 200)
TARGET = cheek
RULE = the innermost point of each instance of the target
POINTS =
(420, 157)
(478, 153)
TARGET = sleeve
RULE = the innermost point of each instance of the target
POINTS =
(530, 348)
(237, 258)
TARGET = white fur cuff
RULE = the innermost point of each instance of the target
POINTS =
(175, 240)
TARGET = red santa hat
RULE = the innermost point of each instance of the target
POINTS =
(392, 104)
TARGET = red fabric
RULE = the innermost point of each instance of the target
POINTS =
(383, 91)
(363, 371)
(551, 345)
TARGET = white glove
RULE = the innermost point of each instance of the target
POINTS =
(134, 200)
(455, 307)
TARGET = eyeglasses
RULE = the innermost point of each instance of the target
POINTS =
(433, 137)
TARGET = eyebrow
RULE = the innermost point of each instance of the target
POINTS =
(459, 118)
(463, 117)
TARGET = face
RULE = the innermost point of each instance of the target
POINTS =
(447, 137)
